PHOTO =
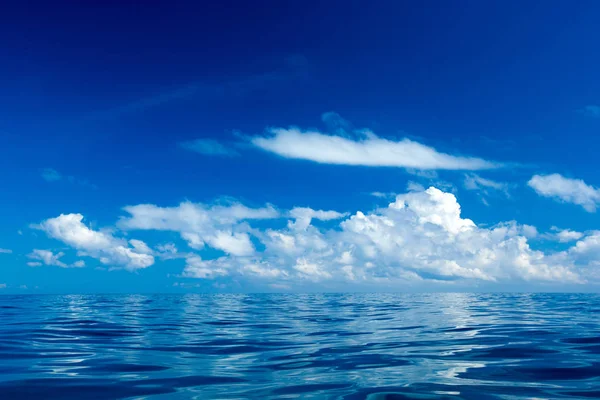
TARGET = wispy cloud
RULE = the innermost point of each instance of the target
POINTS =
(5, 251)
(485, 187)
(292, 67)
(367, 150)
(51, 175)
(590, 111)
(209, 147)
(335, 122)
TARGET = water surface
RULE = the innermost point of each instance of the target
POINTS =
(325, 346)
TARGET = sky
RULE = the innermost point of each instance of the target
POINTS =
(299, 146)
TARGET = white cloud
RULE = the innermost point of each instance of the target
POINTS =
(196, 267)
(209, 147)
(419, 237)
(304, 216)
(564, 235)
(568, 190)
(46, 257)
(200, 225)
(2, 285)
(34, 264)
(5, 251)
(485, 187)
(167, 249)
(476, 182)
(389, 195)
(110, 250)
(367, 150)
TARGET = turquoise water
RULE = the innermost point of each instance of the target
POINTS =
(326, 346)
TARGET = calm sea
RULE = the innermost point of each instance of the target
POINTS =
(326, 346)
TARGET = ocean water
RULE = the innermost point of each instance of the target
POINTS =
(317, 346)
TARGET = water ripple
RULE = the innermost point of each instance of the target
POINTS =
(335, 346)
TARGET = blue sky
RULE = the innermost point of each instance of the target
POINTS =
(236, 147)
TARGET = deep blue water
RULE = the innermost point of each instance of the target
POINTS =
(333, 346)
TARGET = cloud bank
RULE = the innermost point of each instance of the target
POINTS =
(419, 237)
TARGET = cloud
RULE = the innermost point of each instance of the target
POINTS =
(47, 258)
(388, 195)
(564, 235)
(335, 123)
(476, 182)
(112, 251)
(591, 111)
(208, 147)
(5, 251)
(366, 150)
(304, 216)
(199, 224)
(195, 267)
(485, 187)
(51, 175)
(291, 67)
(420, 237)
(2, 285)
(567, 190)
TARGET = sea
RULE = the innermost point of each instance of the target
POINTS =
(300, 346)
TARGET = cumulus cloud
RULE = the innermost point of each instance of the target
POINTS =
(419, 237)
(367, 150)
(209, 147)
(564, 235)
(46, 257)
(200, 225)
(567, 190)
(112, 251)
